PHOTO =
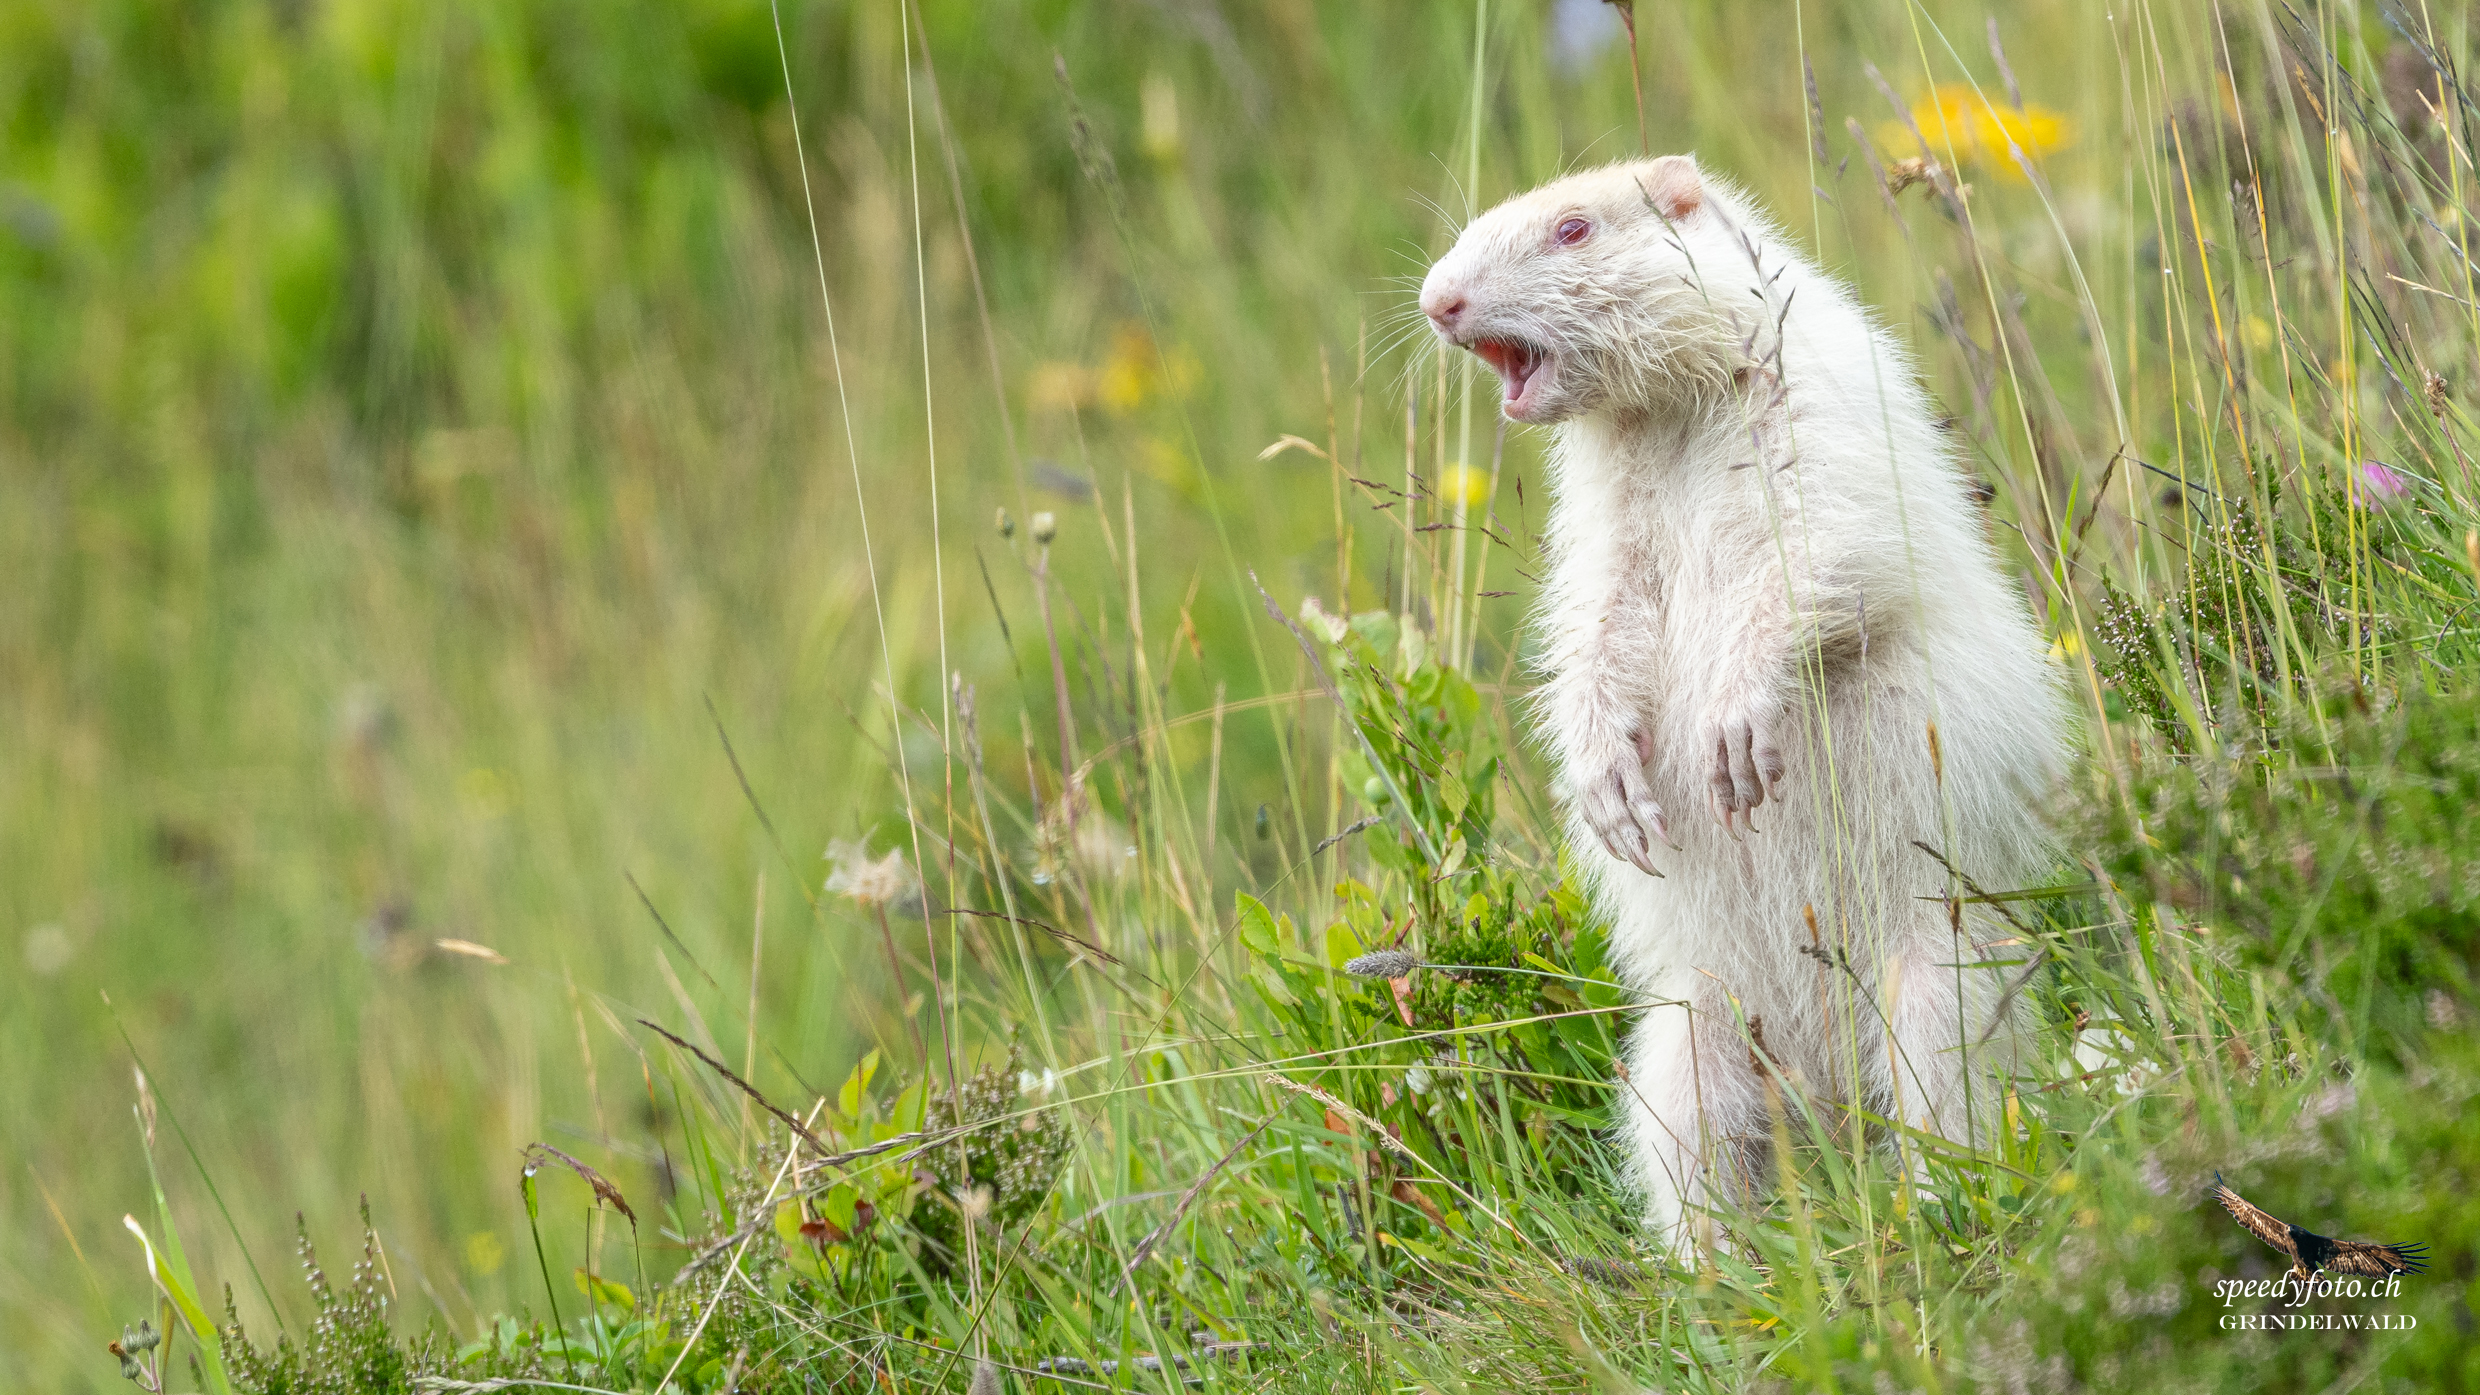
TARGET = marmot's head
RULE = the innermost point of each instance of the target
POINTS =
(1598, 290)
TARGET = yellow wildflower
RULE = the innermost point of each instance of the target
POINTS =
(1464, 484)
(1136, 374)
(483, 1254)
(1980, 130)
(1130, 376)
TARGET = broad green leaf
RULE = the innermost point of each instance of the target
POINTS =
(856, 1087)
(603, 1290)
(1257, 927)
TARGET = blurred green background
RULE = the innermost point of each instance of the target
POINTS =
(413, 415)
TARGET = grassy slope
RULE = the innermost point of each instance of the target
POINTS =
(419, 413)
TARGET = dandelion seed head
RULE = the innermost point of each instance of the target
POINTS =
(867, 881)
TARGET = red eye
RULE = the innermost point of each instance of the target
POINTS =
(1573, 231)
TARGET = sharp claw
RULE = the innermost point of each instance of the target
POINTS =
(1644, 860)
(1661, 827)
(1723, 813)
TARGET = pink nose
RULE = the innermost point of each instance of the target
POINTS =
(1443, 307)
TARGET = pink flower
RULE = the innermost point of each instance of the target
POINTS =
(2381, 483)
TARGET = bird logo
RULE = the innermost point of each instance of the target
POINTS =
(2312, 1253)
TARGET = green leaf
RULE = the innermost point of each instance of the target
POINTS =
(1452, 795)
(170, 1270)
(1257, 927)
(603, 1290)
(1419, 1250)
(856, 1086)
(1343, 944)
(1271, 985)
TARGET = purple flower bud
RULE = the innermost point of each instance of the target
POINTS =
(2382, 483)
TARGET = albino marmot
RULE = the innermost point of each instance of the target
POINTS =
(1769, 579)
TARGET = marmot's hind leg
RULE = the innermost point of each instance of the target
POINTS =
(1695, 1112)
(1946, 1049)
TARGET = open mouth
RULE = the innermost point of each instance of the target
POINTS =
(1516, 362)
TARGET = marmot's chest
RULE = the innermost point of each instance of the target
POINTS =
(1664, 556)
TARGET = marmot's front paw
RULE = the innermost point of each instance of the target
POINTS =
(1617, 803)
(1742, 763)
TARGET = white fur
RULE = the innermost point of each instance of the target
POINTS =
(1767, 580)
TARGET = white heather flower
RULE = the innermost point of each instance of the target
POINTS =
(2328, 1102)
(2155, 1177)
(2442, 1013)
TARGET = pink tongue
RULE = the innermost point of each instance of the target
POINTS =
(1520, 375)
(1514, 364)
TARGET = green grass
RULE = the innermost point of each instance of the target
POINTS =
(424, 453)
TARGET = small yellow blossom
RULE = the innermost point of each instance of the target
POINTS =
(1130, 376)
(1464, 484)
(1169, 462)
(1136, 374)
(1979, 130)
(1126, 379)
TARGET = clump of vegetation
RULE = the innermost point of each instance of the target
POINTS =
(349, 1347)
(1003, 1165)
(2335, 860)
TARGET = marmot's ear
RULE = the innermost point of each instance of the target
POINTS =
(1673, 186)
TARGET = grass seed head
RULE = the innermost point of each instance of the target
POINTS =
(1384, 963)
